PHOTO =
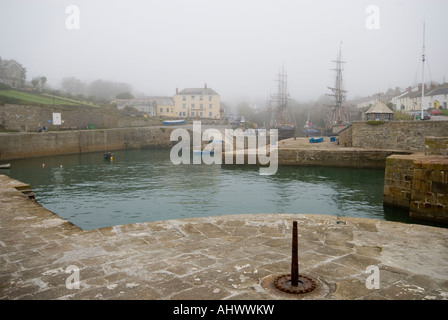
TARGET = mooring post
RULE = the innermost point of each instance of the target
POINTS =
(295, 258)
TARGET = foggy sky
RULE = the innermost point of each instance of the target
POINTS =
(236, 47)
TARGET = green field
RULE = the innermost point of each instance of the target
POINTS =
(20, 97)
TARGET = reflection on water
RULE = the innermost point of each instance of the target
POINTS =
(143, 185)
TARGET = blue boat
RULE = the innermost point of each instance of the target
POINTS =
(173, 122)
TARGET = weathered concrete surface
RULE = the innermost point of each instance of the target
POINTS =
(226, 257)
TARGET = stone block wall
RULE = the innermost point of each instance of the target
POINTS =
(345, 137)
(398, 178)
(429, 197)
(29, 118)
(374, 159)
(397, 135)
(23, 145)
(419, 183)
(436, 146)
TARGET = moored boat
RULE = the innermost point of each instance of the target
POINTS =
(173, 122)
(5, 166)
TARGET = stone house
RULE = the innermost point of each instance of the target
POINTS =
(12, 73)
(379, 112)
(197, 103)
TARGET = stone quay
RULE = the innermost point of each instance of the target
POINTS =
(236, 257)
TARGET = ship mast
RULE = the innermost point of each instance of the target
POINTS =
(338, 116)
(279, 102)
(423, 71)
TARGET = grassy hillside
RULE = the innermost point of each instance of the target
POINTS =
(12, 96)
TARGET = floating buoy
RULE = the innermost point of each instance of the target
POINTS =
(43, 165)
(111, 158)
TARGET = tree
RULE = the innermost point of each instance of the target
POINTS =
(124, 95)
(74, 86)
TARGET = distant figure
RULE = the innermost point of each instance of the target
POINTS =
(40, 129)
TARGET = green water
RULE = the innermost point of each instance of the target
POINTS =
(143, 185)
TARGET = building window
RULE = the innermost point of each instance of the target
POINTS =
(183, 113)
(192, 113)
(161, 110)
(192, 105)
(192, 97)
(184, 98)
(210, 114)
(201, 106)
(210, 98)
(180, 113)
(184, 105)
(210, 106)
(200, 98)
(167, 110)
(200, 113)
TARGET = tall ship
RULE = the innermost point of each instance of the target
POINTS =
(280, 115)
(336, 117)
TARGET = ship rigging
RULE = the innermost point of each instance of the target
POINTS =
(279, 110)
(337, 118)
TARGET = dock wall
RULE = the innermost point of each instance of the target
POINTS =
(24, 145)
(402, 135)
(335, 158)
(419, 182)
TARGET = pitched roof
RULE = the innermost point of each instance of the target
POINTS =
(437, 91)
(198, 91)
(379, 107)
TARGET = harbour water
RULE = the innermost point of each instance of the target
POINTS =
(143, 185)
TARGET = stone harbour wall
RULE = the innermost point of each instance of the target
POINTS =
(398, 135)
(347, 158)
(24, 145)
(419, 183)
(436, 146)
(25, 118)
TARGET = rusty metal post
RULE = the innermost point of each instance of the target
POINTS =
(295, 258)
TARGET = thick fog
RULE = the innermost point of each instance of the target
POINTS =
(237, 47)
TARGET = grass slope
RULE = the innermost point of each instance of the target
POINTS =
(19, 97)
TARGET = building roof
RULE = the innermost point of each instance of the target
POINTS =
(437, 91)
(379, 107)
(147, 101)
(198, 91)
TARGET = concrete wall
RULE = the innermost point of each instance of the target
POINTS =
(23, 145)
(398, 135)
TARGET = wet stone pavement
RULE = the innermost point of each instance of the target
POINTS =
(233, 257)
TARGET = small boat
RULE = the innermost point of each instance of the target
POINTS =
(173, 122)
(108, 156)
(309, 129)
(5, 166)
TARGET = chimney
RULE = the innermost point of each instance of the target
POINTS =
(205, 85)
(177, 90)
(432, 86)
(409, 89)
(419, 87)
